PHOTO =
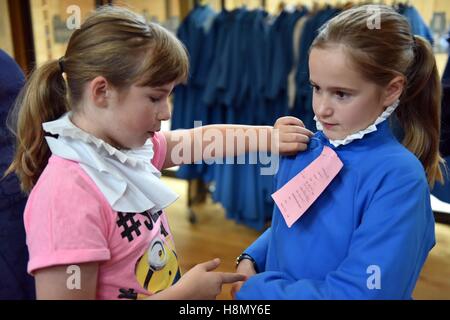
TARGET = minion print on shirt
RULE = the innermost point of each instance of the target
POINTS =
(157, 269)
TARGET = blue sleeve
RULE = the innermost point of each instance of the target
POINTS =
(207, 56)
(385, 255)
(258, 250)
(418, 25)
(277, 66)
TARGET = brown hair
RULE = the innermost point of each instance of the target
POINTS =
(382, 53)
(114, 43)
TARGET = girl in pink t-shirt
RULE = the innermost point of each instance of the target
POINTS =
(89, 151)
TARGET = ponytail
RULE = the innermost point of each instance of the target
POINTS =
(113, 42)
(419, 112)
(42, 99)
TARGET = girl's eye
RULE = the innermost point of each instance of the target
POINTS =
(315, 87)
(342, 94)
(155, 100)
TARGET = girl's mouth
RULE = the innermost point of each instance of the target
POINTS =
(329, 125)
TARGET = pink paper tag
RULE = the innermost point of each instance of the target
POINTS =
(296, 196)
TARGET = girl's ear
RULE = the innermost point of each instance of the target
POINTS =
(99, 90)
(394, 90)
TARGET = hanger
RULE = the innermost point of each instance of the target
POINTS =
(400, 5)
(243, 4)
(315, 7)
(201, 3)
(348, 5)
(281, 6)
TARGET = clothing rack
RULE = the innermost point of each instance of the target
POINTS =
(223, 3)
(200, 2)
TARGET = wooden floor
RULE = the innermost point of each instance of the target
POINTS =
(215, 236)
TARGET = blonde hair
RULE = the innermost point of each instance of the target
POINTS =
(114, 43)
(382, 53)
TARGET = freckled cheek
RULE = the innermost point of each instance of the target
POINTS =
(129, 126)
(139, 125)
(141, 119)
(350, 119)
(357, 119)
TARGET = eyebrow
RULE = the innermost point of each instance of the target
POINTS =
(162, 90)
(334, 88)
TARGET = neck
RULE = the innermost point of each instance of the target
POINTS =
(81, 120)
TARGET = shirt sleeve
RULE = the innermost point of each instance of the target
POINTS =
(65, 221)
(159, 150)
(258, 250)
(385, 257)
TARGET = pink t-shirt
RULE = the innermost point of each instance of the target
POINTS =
(69, 222)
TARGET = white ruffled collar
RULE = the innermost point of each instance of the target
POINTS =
(360, 134)
(127, 178)
(64, 127)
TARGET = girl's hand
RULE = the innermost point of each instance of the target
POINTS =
(201, 283)
(246, 268)
(292, 135)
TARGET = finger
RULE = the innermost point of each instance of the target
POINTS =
(300, 146)
(294, 137)
(228, 277)
(297, 129)
(211, 264)
(291, 120)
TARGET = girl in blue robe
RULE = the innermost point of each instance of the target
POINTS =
(369, 232)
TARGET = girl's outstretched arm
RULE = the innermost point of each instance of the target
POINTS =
(201, 282)
(287, 136)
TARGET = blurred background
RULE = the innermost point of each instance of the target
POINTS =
(248, 62)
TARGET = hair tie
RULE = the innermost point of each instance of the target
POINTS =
(61, 65)
(414, 45)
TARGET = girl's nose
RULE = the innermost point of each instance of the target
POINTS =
(323, 108)
(164, 114)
